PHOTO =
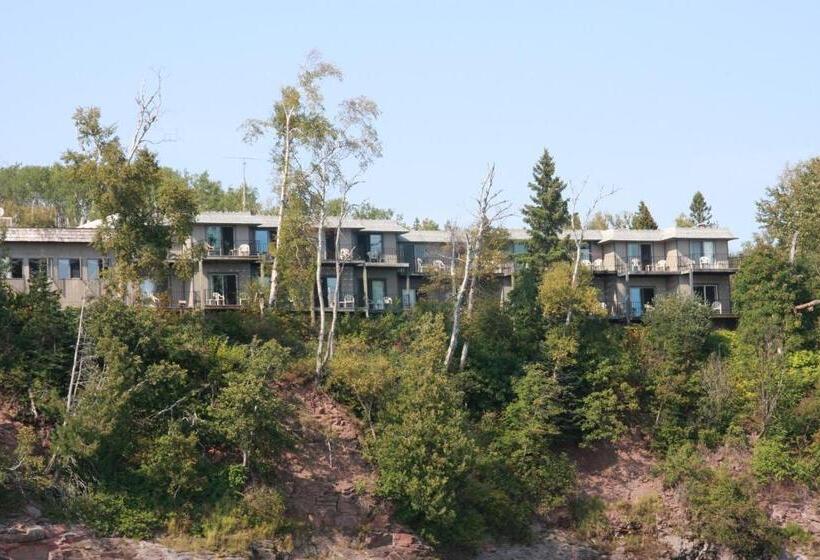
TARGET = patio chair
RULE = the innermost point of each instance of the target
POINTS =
(717, 307)
(661, 265)
(349, 302)
(345, 254)
(419, 264)
(705, 262)
(439, 264)
(635, 264)
(244, 250)
(598, 264)
(586, 263)
(388, 300)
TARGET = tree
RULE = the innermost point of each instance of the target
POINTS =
(789, 215)
(547, 214)
(643, 219)
(425, 224)
(682, 220)
(699, 212)
(144, 214)
(296, 119)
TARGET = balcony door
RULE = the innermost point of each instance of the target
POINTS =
(377, 293)
(226, 286)
(220, 239)
(640, 254)
(639, 298)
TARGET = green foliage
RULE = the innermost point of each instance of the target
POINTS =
(722, 511)
(772, 460)
(642, 219)
(525, 313)
(588, 514)
(546, 215)
(40, 196)
(558, 295)
(114, 514)
(700, 213)
(674, 346)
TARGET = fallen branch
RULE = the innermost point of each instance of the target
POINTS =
(808, 306)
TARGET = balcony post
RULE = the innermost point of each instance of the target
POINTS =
(366, 296)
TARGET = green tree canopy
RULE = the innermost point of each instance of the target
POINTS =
(547, 214)
(700, 212)
(642, 219)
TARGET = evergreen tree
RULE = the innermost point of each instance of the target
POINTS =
(699, 212)
(643, 218)
(547, 215)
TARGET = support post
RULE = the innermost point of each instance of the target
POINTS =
(201, 285)
(366, 295)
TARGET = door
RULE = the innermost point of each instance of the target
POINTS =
(330, 289)
(230, 289)
(377, 294)
(227, 240)
(639, 298)
(646, 256)
(707, 293)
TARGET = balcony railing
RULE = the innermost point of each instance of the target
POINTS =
(709, 262)
(716, 262)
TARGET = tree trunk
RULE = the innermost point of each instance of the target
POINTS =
(74, 374)
(320, 232)
(575, 265)
(283, 192)
(451, 348)
(793, 249)
(476, 261)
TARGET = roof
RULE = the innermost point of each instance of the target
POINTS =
(366, 225)
(50, 235)
(609, 235)
(231, 218)
(426, 236)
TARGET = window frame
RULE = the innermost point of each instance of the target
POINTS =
(73, 267)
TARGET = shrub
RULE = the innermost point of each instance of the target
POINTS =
(680, 464)
(588, 514)
(722, 511)
(115, 515)
(772, 460)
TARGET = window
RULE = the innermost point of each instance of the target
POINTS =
(585, 252)
(220, 240)
(147, 288)
(640, 254)
(376, 245)
(707, 293)
(262, 238)
(519, 248)
(639, 298)
(702, 251)
(330, 289)
(68, 268)
(15, 268)
(225, 286)
(377, 294)
(37, 266)
(330, 245)
(93, 267)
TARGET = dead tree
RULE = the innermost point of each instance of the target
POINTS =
(490, 210)
(577, 229)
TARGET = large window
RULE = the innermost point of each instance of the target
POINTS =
(225, 286)
(376, 244)
(37, 267)
(377, 294)
(639, 254)
(68, 268)
(585, 252)
(330, 289)
(639, 298)
(702, 252)
(220, 240)
(708, 293)
(262, 239)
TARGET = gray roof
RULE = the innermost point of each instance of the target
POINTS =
(426, 236)
(609, 235)
(231, 218)
(50, 235)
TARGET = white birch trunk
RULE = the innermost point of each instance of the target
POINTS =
(283, 192)
(451, 348)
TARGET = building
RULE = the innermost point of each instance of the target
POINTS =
(384, 264)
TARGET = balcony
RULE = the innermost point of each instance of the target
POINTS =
(679, 265)
(717, 262)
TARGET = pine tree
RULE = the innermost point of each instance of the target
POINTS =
(700, 212)
(547, 215)
(643, 218)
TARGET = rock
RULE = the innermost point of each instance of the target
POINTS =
(377, 540)
(404, 540)
(22, 534)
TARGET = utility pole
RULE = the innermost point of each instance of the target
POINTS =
(244, 186)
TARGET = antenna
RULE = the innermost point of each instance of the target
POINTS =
(244, 186)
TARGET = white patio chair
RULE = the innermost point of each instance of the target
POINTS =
(662, 265)
(598, 264)
(717, 307)
(349, 302)
(439, 264)
(388, 300)
(244, 250)
(635, 263)
(586, 263)
(705, 262)
(419, 264)
(345, 254)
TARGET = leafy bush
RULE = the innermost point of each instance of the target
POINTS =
(115, 515)
(722, 511)
(588, 515)
(772, 460)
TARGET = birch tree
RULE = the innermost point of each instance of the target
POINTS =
(292, 123)
(490, 209)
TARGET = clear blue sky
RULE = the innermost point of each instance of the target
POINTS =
(657, 99)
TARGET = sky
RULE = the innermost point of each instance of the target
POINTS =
(655, 99)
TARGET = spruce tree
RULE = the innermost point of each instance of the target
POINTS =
(547, 214)
(642, 219)
(700, 212)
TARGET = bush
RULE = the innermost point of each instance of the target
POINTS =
(680, 464)
(588, 514)
(115, 515)
(772, 461)
(722, 511)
